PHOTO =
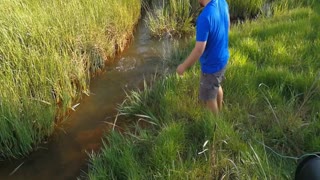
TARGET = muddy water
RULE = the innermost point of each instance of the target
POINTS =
(64, 156)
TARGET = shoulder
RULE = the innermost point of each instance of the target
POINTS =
(205, 14)
(203, 20)
(225, 5)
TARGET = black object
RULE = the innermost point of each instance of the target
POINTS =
(309, 168)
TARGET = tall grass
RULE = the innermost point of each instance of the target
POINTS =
(48, 51)
(248, 9)
(170, 18)
(270, 116)
(177, 17)
(244, 9)
(284, 5)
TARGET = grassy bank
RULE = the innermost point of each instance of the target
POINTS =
(48, 51)
(270, 115)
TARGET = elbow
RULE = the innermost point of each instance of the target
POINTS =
(199, 51)
(199, 48)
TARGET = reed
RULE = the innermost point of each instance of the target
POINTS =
(285, 5)
(245, 9)
(175, 19)
(48, 52)
(170, 18)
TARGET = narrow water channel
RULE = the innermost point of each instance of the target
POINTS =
(64, 156)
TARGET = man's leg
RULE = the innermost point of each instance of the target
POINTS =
(215, 105)
(211, 91)
(220, 98)
(212, 105)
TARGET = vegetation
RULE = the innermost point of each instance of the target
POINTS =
(170, 18)
(270, 116)
(176, 18)
(244, 9)
(48, 51)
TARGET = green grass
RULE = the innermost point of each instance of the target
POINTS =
(245, 9)
(176, 18)
(48, 52)
(170, 18)
(270, 116)
(279, 55)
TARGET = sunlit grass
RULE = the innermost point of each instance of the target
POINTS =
(48, 51)
(283, 77)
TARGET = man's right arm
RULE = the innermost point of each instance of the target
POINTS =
(193, 57)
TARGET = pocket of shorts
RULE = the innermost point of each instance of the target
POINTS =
(207, 83)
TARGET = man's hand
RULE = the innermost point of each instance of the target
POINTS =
(193, 57)
(180, 69)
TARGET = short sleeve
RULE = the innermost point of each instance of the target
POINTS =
(202, 29)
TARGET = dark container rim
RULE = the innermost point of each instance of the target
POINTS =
(303, 161)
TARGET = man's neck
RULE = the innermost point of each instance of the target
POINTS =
(205, 2)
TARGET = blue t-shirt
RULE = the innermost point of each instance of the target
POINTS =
(213, 27)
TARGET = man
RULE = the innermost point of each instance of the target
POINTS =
(211, 47)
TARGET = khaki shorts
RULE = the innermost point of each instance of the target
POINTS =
(209, 85)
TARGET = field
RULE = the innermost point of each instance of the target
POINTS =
(269, 121)
(50, 50)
